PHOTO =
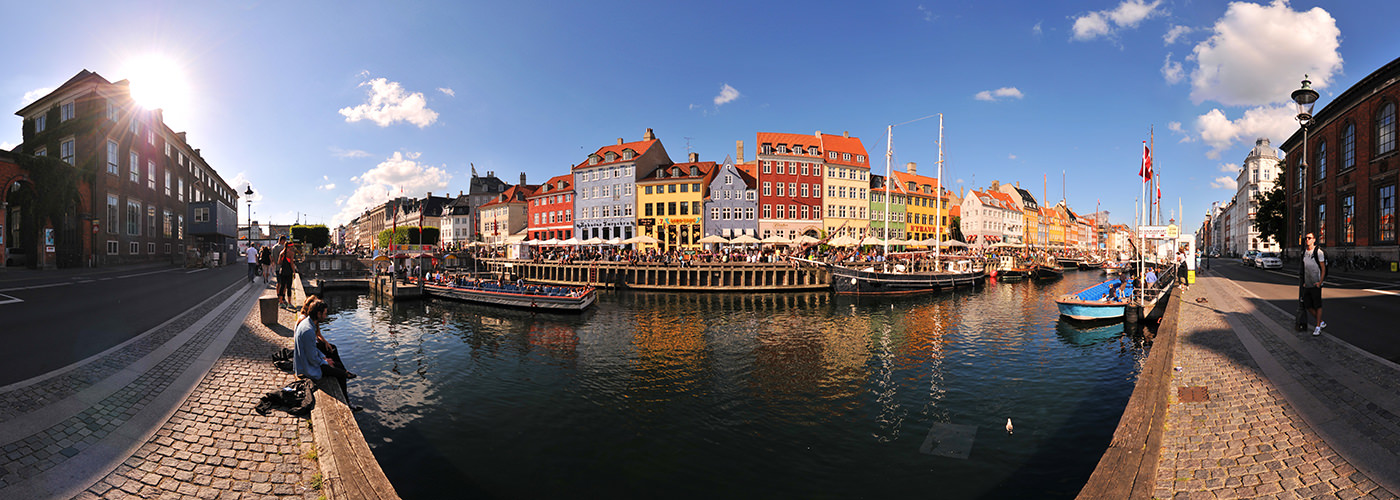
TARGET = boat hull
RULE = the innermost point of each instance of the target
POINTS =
(1087, 304)
(858, 282)
(1047, 272)
(536, 302)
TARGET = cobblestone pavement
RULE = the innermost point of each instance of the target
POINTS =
(1288, 415)
(168, 414)
(215, 445)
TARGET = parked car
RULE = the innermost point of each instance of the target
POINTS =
(1249, 257)
(1269, 260)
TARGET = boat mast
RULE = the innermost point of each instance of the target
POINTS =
(938, 198)
(889, 156)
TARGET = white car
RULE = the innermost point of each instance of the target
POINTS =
(1269, 260)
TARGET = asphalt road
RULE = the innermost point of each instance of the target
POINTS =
(1361, 309)
(49, 320)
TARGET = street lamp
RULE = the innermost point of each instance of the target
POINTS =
(249, 194)
(1305, 98)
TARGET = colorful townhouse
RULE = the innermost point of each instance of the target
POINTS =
(732, 204)
(1029, 208)
(847, 181)
(790, 182)
(506, 215)
(605, 184)
(990, 217)
(887, 210)
(551, 209)
(926, 205)
(670, 204)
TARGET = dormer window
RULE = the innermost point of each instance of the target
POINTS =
(767, 148)
(782, 148)
(611, 156)
(627, 154)
(661, 173)
(694, 171)
(831, 154)
(592, 159)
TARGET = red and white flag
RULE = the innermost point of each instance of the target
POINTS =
(1146, 171)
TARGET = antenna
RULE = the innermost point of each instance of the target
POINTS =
(687, 145)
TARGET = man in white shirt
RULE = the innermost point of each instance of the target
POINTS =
(252, 261)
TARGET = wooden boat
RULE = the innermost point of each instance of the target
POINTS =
(1102, 301)
(1046, 272)
(1091, 264)
(899, 280)
(1011, 268)
(1069, 262)
(534, 297)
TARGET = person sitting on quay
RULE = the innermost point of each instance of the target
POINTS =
(312, 356)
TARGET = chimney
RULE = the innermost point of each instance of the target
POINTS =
(649, 136)
(522, 180)
(694, 157)
(818, 134)
(911, 168)
(845, 133)
(619, 141)
(739, 151)
(1018, 184)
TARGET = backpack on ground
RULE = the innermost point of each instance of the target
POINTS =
(297, 398)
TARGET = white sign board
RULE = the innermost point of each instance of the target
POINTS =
(1152, 232)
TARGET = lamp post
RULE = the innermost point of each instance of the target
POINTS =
(1305, 98)
(249, 194)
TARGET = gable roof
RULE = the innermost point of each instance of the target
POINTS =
(705, 169)
(513, 194)
(640, 147)
(556, 184)
(905, 178)
(791, 140)
(843, 144)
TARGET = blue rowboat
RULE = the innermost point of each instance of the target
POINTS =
(1102, 301)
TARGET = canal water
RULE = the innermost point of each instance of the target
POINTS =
(806, 395)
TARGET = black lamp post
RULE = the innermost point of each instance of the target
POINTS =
(1305, 98)
(249, 194)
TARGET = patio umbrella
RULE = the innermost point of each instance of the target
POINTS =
(382, 258)
(842, 241)
(804, 240)
(953, 244)
(551, 242)
(871, 240)
(641, 238)
(614, 241)
(714, 238)
(592, 241)
(570, 241)
(744, 240)
(777, 240)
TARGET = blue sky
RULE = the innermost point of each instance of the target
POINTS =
(328, 107)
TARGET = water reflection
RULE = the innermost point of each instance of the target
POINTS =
(737, 395)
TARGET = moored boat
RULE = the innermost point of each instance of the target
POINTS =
(535, 297)
(1102, 301)
(1011, 268)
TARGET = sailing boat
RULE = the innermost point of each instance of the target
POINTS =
(918, 276)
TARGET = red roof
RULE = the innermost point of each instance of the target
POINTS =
(843, 144)
(904, 178)
(1005, 200)
(555, 185)
(640, 147)
(513, 194)
(705, 169)
(791, 140)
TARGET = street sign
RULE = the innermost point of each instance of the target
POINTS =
(1153, 232)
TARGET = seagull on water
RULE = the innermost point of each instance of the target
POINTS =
(1008, 426)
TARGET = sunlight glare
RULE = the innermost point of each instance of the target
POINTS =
(156, 81)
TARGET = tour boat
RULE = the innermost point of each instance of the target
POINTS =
(1011, 268)
(552, 298)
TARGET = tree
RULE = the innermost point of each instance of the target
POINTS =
(316, 236)
(955, 229)
(1272, 216)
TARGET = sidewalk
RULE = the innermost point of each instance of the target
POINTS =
(168, 413)
(1285, 415)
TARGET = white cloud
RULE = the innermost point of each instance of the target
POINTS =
(400, 173)
(5, 145)
(240, 184)
(994, 95)
(349, 153)
(1275, 122)
(1105, 23)
(1223, 182)
(1229, 168)
(726, 94)
(1175, 127)
(1011, 157)
(1036, 30)
(1258, 54)
(1175, 33)
(927, 14)
(326, 187)
(389, 103)
(34, 95)
(448, 91)
(1171, 70)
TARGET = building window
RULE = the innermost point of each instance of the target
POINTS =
(41, 152)
(201, 214)
(1345, 218)
(151, 248)
(134, 248)
(782, 211)
(166, 222)
(846, 156)
(134, 167)
(151, 222)
(133, 218)
(767, 211)
(1321, 223)
(180, 189)
(111, 247)
(751, 195)
(113, 156)
(65, 112)
(167, 183)
(150, 137)
(1348, 146)
(767, 188)
(65, 151)
(151, 174)
(748, 213)
(1321, 163)
(113, 214)
(1385, 214)
(1385, 129)
(767, 167)
(728, 179)
(41, 122)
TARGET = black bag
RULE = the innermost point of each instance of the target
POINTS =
(296, 398)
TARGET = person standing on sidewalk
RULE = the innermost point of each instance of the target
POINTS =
(286, 269)
(1314, 271)
(252, 261)
(265, 263)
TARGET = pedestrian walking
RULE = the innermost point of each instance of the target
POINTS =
(1313, 272)
(265, 263)
(286, 269)
(252, 261)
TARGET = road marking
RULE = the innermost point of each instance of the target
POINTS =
(35, 287)
(200, 270)
(6, 299)
(144, 274)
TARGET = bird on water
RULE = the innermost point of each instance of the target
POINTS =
(1008, 426)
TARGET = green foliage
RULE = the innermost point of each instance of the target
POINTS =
(1272, 216)
(408, 235)
(955, 229)
(316, 236)
(52, 197)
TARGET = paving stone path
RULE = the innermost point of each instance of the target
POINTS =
(1249, 439)
(216, 445)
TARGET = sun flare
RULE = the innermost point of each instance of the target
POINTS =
(156, 81)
